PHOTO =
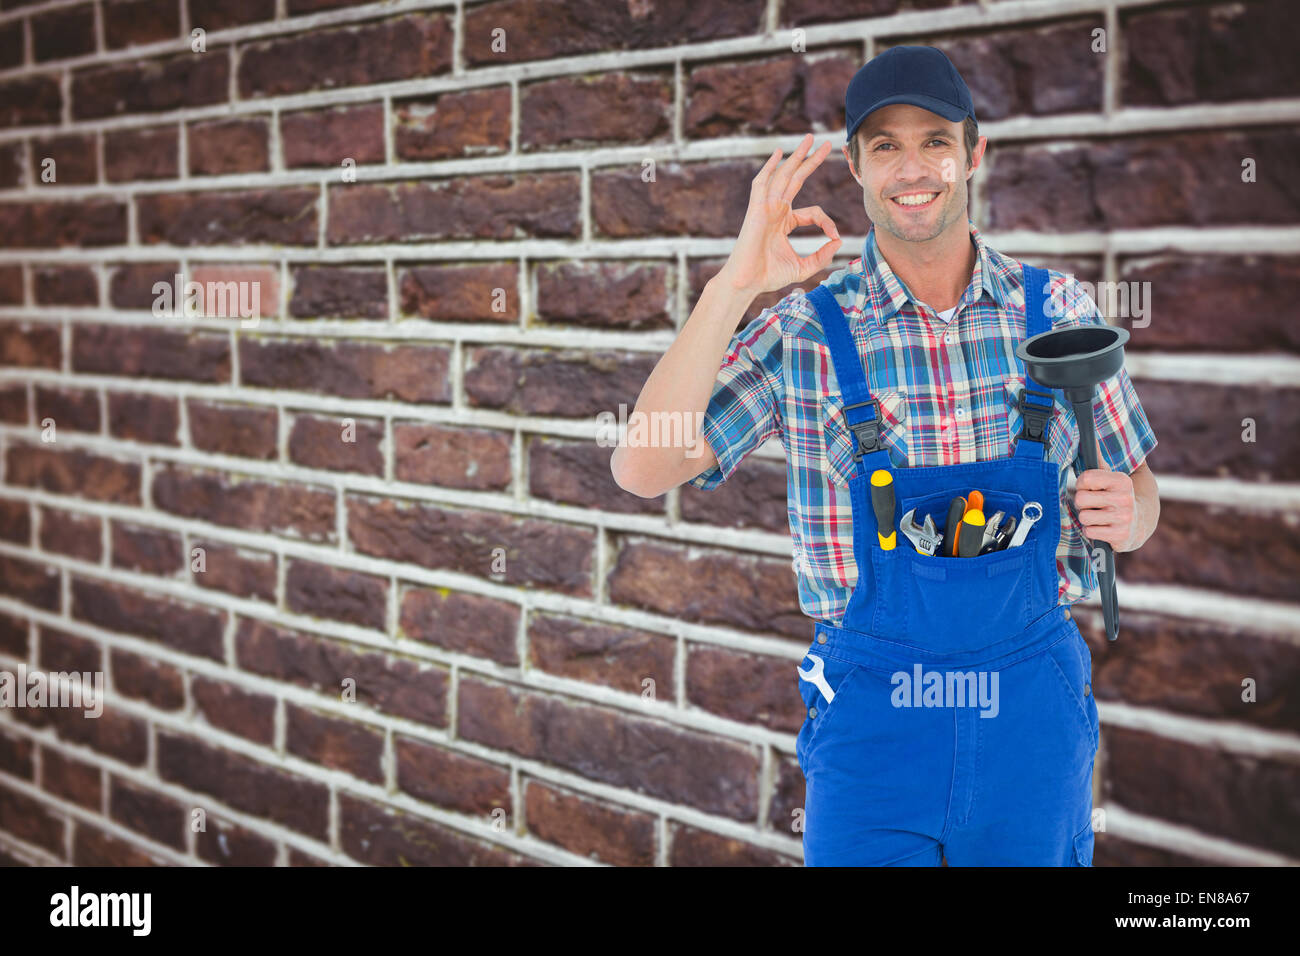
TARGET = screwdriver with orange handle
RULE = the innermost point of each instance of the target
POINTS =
(957, 511)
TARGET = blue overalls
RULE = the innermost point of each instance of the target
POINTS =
(961, 722)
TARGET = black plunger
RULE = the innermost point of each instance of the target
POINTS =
(1076, 360)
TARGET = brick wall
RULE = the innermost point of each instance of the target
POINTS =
(499, 272)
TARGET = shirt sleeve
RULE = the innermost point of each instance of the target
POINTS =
(744, 410)
(1123, 432)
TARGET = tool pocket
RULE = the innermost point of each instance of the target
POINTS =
(819, 712)
(988, 595)
(838, 443)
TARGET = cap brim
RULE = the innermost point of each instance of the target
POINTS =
(949, 111)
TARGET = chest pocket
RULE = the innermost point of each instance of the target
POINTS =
(1062, 430)
(839, 443)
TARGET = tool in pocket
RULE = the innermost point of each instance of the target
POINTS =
(925, 538)
(882, 501)
(1032, 512)
(815, 676)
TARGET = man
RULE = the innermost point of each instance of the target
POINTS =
(949, 706)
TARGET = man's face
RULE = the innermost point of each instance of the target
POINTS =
(913, 172)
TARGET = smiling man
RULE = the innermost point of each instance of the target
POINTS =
(896, 392)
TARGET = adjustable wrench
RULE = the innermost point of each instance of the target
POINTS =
(925, 538)
(815, 677)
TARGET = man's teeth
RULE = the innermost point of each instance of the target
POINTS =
(915, 199)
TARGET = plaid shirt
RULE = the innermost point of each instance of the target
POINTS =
(947, 395)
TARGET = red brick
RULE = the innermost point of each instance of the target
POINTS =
(71, 779)
(31, 821)
(151, 550)
(15, 521)
(31, 101)
(78, 536)
(144, 417)
(457, 123)
(13, 404)
(578, 473)
(74, 472)
(284, 216)
(151, 86)
(339, 292)
(589, 827)
(476, 292)
(131, 155)
(449, 779)
(535, 552)
(238, 571)
(155, 816)
(753, 497)
(65, 285)
(182, 627)
(118, 735)
(94, 847)
(250, 431)
(465, 623)
(380, 836)
(233, 289)
(16, 756)
(613, 747)
(394, 685)
(541, 31)
(694, 847)
(334, 593)
(151, 353)
(619, 657)
(320, 443)
(774, 95)
(755, 689)
(61, 651)
(63, 33)
(707, 586)
(622, 294)
(137, 22)
(252, 504)
(29, 345)
(235, 710)
(13, 636)
(222, 147)
(502, 206)
(48, 225)
(408, 373)
(398, 48)
(131, 284)
(452, 456)
(228, 844)
(223, 14)
(567, 383)
(328, 137)
(74, 409)
(29, 582)
(154, 682)
(335, 743)
(245, 784)
(620, 107)
(11, 276)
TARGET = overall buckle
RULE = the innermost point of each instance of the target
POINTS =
(867, 433)
(1034, 417)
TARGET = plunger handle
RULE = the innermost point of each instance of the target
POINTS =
(1088, 449)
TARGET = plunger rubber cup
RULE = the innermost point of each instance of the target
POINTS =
(1076, 360)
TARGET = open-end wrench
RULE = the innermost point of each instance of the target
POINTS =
(1033, 511)
(815, 677)
(925, 538)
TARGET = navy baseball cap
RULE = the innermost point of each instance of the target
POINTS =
(919, 75)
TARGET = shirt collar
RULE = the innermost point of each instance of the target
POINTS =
(883, 294)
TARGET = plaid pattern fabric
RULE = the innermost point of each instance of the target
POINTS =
(947, 392)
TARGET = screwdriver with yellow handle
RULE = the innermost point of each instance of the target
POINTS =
(973, 524)
(882, 501)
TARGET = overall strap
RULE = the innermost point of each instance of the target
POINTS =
(861, 410)
(1035, 401)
